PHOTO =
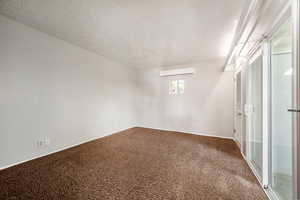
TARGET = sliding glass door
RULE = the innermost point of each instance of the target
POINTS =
(272, 110)
(255, 107)
(281, 120)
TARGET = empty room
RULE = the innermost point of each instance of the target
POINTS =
(149, 100)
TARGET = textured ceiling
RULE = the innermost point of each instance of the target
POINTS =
(138, 33)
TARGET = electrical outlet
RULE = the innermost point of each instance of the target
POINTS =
(39, 143)
(47, 141)
(43, 142)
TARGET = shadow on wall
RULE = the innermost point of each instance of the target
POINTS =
(206, 106)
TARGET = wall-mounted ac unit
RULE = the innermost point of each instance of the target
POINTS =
(174, 72)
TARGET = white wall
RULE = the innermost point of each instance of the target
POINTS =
(50, 88)
(206, 107)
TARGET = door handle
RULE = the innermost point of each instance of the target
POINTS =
(293, 110)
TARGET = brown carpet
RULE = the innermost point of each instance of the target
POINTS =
(136, 164)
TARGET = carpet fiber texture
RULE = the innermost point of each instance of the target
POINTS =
(136, 164)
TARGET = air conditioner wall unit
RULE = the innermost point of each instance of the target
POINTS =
(174, 72)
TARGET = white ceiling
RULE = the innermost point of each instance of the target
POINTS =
(138, 33)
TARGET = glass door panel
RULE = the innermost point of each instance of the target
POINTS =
(281, 101)
(256, 134)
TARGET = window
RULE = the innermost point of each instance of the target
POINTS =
(180, 86)
(176, 86)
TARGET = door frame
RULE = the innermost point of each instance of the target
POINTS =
(238, 114)
(256, 54)
(284, 17)
(290, 11)
(296, 97)
(266, 113)
(243, 70)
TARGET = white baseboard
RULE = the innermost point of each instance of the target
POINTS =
(191, 132)
(237, 143)
(95, 138)
(61, 149)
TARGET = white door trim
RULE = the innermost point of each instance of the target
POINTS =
(296, 97)
(266, 113)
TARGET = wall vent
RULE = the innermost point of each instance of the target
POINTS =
(174, 72)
